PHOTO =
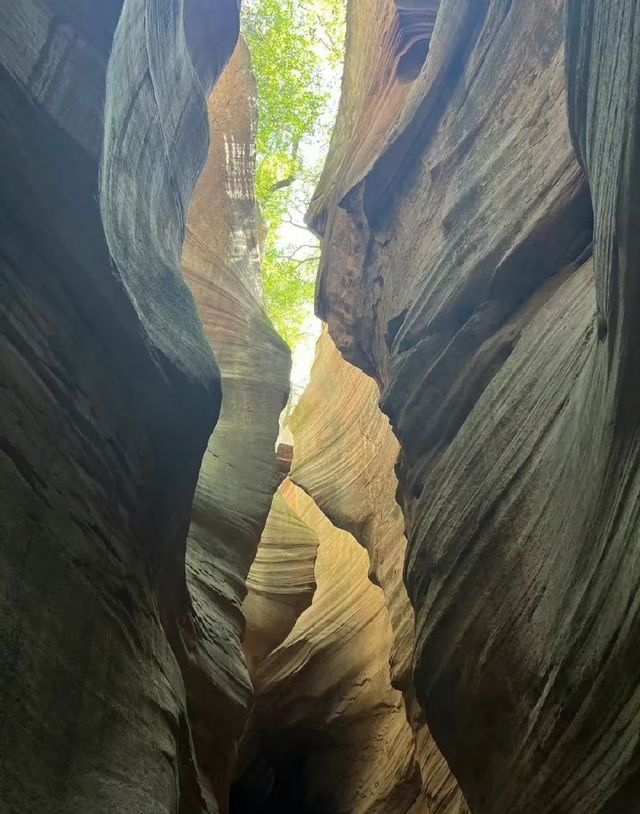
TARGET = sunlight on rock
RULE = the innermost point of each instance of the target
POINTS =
(319, 443)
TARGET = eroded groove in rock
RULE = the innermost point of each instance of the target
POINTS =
(467, 173)
(344, 458)
(416, 21)
(457, 271)
(110, 393)
(324, 699)
(239, 471)
(371, 98)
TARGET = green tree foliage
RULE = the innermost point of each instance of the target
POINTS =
(296, 52)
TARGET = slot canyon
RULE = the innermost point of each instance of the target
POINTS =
(415, 590)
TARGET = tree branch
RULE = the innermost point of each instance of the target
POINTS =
(297, 225)
(285, 182)
(296, 250)
(298, 263)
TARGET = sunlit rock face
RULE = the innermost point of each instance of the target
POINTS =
(380, 34)
(239, 471)
(458, 271)
(344, 457)
(280, 587)
(110, 393)
(334, 729)
(281, 582)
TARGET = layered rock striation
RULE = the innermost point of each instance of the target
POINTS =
(458, 271)
(480, 280)
(334, 729)
(239, 473)
(281, 582)
(110, 393)
(344, 458)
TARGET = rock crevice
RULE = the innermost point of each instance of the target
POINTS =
(421, 596)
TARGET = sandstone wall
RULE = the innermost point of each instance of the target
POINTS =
(281, 582)
(221, 262)
(110, 393)
(462, 270)
(334, 729)
(344, 457)
(480, 279)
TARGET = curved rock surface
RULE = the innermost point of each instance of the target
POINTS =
(281, 582)
(239, 472)
(480, 279)
(456, 270)
(379, 34)
(344, 458)
(110, 393)
(324, 699)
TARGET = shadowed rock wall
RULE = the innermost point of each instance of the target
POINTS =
(457, 271)
(110, 393)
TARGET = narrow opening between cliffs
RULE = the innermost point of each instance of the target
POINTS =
(314, 590)
(413, 586)
(297, 54)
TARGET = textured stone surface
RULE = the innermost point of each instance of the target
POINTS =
(109, 395)
(345, 453)
(239, 471)
(324, 700)
(457, 271)
(344, 458)
(481, 261)
(281, 582)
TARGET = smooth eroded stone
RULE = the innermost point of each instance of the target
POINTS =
(344, 457)
(281, 582)
(327, 715)
(457, 271)
(239, 473)
(110, 393)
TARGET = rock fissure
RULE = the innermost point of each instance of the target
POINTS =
(416, 590)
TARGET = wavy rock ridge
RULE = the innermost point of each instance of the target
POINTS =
(457, 270)
(345, 454)
(329, 650)
(111, 665)
(333, 728)
(281, 582)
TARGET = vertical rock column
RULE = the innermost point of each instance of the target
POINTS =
(239, 475)
(109, 395)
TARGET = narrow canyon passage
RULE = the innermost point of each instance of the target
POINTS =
(381, 560)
